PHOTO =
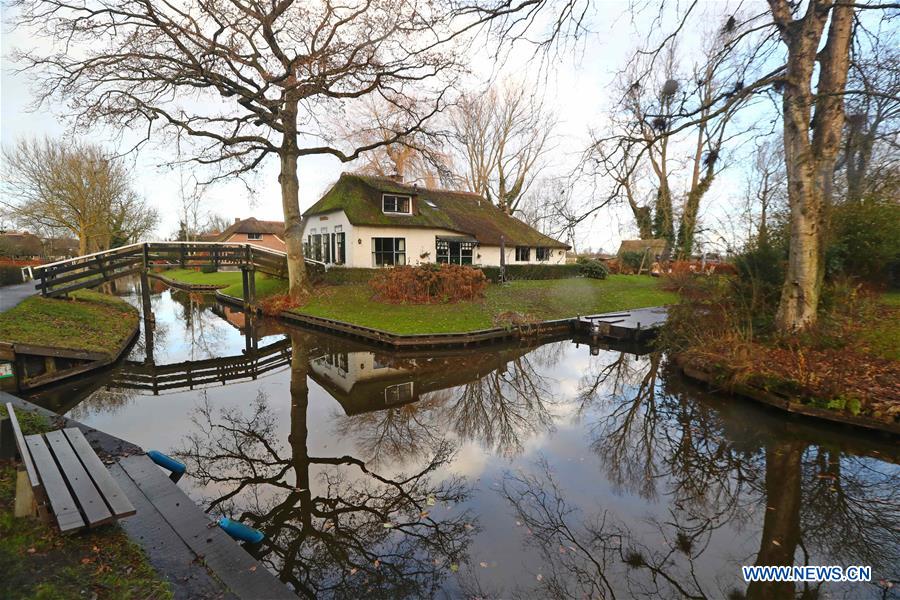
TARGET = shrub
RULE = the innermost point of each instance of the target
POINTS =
(348, 276)
(428, 283)
(865, 240)
(592, 268)
(531, 272)
(277, 303)
(208, 269)
(631, 261)
(10, 275)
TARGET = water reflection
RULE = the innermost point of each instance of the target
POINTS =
(549, 470)
(333, 525)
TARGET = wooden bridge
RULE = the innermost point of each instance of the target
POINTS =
(64, 276)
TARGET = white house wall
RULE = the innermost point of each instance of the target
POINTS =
(420, 243)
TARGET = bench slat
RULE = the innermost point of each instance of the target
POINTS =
(57, 493)
(89, 499)
(116, 499)
(23, 449)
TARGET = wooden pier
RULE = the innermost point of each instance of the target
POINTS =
(633, 325)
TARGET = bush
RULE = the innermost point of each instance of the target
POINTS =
(865, 240)
(531, 272)
(428, 283)
(631, 261)
(10, 275)
(275, 304)
(591, 268)
(208, 269)
(348, 276)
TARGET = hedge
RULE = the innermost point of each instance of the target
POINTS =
(514, 272)
(347, 276)
(10, 275)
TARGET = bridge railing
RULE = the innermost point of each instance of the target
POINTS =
(64, 276)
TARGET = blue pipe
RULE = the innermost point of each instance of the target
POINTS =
(241, 532)
(167, 462)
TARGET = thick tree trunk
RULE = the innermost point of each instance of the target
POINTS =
(810, 162)
(290, 203)
(781, 523)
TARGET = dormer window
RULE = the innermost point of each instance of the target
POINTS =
(392, 203)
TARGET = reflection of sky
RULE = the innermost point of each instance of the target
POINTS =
(163, 422)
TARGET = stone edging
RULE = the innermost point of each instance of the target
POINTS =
(703, 374)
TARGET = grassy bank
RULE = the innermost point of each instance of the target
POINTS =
(88, 321)
(38, 562)
(533, 300)
(229, 281)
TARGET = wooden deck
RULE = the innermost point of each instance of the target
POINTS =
(198, 560)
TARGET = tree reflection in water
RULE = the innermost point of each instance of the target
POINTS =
(817, 505)
(503, 400)
(333, 526)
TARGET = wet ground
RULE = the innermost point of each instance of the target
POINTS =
(551, 470)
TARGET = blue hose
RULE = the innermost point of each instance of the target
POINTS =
(167, 462)
(241, 532)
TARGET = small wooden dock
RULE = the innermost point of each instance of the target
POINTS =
(632, 325)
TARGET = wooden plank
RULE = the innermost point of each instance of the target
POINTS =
(57, 493)
(231, 564)
(33, 478)
(115, 498)
(90, 501)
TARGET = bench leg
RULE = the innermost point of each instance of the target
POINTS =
(25, 502)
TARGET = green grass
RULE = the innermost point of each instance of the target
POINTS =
(882, 334)
(539, 300)
(195, 277)
(89, 321)
(31, 422)
(265, 286)
(38, 562)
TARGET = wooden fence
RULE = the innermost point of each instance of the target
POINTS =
(61, 277)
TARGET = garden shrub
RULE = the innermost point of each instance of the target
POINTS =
(275, 304)
(10, 275)
(533, 272)
(631, 261)
(865, 240)
(348, 275)
(208, 269)
(592, 268)
(428, 283)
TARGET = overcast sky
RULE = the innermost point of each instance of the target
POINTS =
(575, 83)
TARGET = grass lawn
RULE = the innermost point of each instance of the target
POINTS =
(38, 562)
(230, 280)
(539, 300)
(89, 321)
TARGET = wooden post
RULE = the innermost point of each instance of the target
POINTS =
(246, 286)
(146, 256)
(25, 502)
(43, 284)
(149, 320)
(251, 280)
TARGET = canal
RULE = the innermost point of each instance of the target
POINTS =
(542, 470)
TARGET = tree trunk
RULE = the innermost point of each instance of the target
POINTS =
(810, 162)
(781, 524)
(290, 203)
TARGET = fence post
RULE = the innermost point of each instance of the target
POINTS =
(146, 253)
(246, 286)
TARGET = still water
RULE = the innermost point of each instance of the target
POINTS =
(514, 471)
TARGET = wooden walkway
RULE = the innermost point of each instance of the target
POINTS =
(64, 276)
(198, 560)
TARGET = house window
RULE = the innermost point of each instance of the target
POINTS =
(388, 251)
(523, 253)
(339, 248)
(456, 253)
(391, 203)
(543, 254)
(315, 246)
(254, 236)
(395, 394)
(326, 248)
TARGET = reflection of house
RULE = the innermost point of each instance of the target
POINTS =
(363, 380)
(269, 234)
(366, 221)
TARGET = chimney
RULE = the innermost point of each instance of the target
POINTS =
(237, 220)
(398, 177)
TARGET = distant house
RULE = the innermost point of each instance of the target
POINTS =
(654, 248)
(368, 221)
(20, 244)
(61, 247)
(253, 231)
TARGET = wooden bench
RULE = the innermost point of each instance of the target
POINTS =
(61, 473)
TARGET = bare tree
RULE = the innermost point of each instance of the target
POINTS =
(766, 189)
(244, 80)
(418, 157)
(502, 137)
(55, 186)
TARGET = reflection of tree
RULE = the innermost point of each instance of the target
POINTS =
(104, 400)
(201, 324)
(815, 506)
(505, 400)
(333, 526)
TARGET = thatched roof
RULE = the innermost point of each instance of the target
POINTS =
(252, 225)
(359, 196)
(658, 247)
